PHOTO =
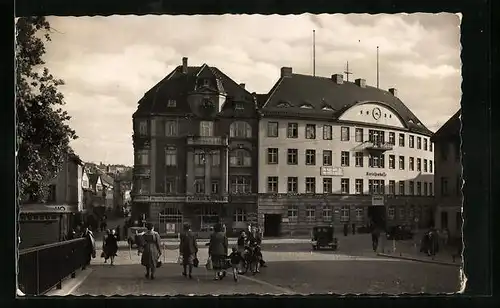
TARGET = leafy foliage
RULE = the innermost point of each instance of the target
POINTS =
(43, 134)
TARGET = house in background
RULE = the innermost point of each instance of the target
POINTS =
(51, 221)
(448, 177)
(101, 186)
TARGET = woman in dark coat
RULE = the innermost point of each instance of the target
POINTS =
(188, 249)
(111, 246)
(217, 251)
(151, 251)
(89, 249)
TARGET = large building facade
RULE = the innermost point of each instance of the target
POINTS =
(448, 177)
(337, 152)
(195, 145)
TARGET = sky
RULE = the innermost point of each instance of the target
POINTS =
(108, 63)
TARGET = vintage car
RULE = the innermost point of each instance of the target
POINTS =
(133, 233)
(322, 236)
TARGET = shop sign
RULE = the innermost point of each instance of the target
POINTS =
(170, 228)
(331, 171)
(380, 174)
(377, 200)
(141, 199)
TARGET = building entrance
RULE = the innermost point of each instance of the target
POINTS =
(272, 225)
(377, 214)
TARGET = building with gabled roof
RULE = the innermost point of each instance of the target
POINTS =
(195, 146)
(338, 152)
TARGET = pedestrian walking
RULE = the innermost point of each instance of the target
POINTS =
(346, 229)
(89, 247)
(236, 260)
(151, 251)
(375, 237)
(188, 249)
(217, 251)
(110, 246)
(353, 228)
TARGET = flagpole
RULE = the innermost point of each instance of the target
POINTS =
(314, 52)
(377, 70)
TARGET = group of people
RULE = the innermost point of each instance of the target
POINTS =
(110, 245)
(217, 251)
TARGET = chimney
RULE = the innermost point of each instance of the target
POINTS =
(242, 85)
(360, 82)
(393, 91)
(184, 65)
(338, 78)
(286, 72)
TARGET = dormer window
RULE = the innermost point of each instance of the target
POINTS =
(306, 106)
(284, 105)
(238, 106)
(171, 103)
(206, 82)
(328, 108)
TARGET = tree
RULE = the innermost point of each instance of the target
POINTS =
(43, 134)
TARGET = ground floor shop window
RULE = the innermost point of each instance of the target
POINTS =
(327, 213)
(411, 213)
(311, 213)
(402, 213)
(293, 213)
(209, 217)
(359, 214)
(344, 214)
(240, 215)
(391, 213)
(170, 220)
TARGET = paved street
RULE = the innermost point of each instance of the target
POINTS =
(292, 269)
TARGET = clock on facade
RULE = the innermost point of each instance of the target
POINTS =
(376, 113)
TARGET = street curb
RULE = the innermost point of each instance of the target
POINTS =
(419, 260)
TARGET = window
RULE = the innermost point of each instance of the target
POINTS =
(392, 138)
(272, 129)
(240, 129)
(327, 158)
(215, 158)
(401, 163)
(359, 214)
(310, 185)
(292, 157)
(401, 140)
(143, 186)
(344, 133)
(430, 166)
(215, 187)
(425, 165)
(392, 187)
(376, 187)
(327, 213)
(344, 161)
(142, 157)
(293, 130)
(376, 161)
(391, 213)
(239, 106)
(310, 157)
(344, 214)
(419, 188)
(310, 131)
(292, 184)
(240, 158)
(431, 190)
(411, 141)
(206, 128)
(359, 159)
(241, 184)
(402, 213)
(327, 185)
(52, 193)
(171, 128)
(170, 185)
(430, 146)
(411, 213)
(293, 213)
(240, 215)
(344, 186)
(272, 184)
(310, 213)
(426, 189)
(444, 186)
(272, 156)
(411, 165)
(358, 135)
(170, 156)
(425, 144)
(402, 188)
(199, 158)
(419, 164)
(419, 143)
(376, 136)
(143, 128)
(359, 186)
(199, 186)
(412, 188)
(392, 161)
(327, 132)
(171, 103)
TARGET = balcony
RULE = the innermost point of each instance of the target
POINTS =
(207, 141)
(206, 199)
(378, 146)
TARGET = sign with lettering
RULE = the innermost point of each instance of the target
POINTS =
(205, 198)
(170, 228)
(382, 174)
(140, 199)
(331, 171)
(377, 200)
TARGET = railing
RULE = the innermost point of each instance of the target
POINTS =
(378, 145)
(206, 140)
(44, 267)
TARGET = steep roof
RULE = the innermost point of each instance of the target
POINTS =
(328, 100)
(450, 129)
(177, 85)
